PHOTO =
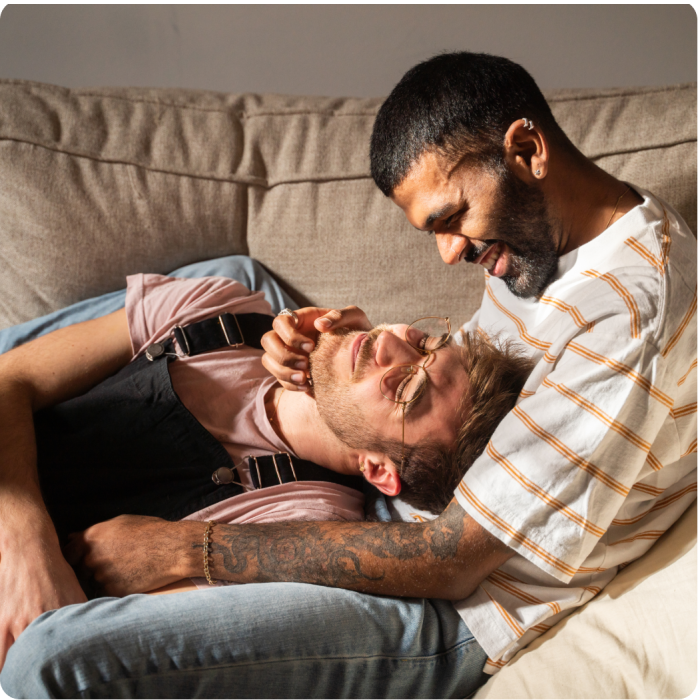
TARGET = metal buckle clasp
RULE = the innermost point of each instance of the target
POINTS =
(225, 333)
(276, 468)
(186, 352)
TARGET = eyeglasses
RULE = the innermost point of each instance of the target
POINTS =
(404, 384)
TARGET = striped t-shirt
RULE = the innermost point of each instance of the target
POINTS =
(598, 458)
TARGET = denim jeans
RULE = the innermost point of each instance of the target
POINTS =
(270, 640)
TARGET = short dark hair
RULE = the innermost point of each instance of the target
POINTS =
(497, 371)
(458, 104)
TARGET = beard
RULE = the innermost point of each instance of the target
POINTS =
(336, 403)
(521, 221)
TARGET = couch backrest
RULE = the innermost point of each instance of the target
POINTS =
(98, 184)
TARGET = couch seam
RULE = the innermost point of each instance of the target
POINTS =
(250, 180)
(579, 98)
(255, 181)
(232, 111)
(639, 150)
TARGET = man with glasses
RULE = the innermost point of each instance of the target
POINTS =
(163, 411)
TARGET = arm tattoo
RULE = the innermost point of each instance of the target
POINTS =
(333, 554)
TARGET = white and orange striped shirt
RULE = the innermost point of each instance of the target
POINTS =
(598, 458)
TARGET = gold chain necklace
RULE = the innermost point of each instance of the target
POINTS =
(616, 209)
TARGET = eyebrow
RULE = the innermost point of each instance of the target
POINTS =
(445, 209)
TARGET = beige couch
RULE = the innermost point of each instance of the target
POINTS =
(96, 184)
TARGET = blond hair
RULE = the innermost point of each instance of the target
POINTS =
(497, 371)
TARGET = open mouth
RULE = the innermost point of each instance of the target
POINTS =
(492, 259)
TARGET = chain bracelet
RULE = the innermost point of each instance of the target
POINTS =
(207, 551)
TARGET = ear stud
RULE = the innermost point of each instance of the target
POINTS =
(528, 124)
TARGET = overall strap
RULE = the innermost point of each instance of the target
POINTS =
(231, 330)
(226, 330)
(281, 468)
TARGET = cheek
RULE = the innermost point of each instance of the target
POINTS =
(373, 406)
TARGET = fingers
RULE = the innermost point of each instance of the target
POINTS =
(289, 378)
(349, 317)
(300, 334)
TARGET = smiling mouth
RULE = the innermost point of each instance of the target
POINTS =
(489, 258)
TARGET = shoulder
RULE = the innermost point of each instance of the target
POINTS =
(640, 273)
(197, 295)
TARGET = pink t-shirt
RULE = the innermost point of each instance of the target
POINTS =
(225, 391)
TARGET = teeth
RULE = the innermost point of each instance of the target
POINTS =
(490, 260)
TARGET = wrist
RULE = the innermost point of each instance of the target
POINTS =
(190, 558)
(25, 521)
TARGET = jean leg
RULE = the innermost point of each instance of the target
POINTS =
(258, 640)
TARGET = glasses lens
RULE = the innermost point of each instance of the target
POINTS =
(403, 384)
(428, 333)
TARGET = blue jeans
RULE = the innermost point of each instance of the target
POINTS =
(270, 640)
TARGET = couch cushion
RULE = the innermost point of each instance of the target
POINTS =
(99, 184)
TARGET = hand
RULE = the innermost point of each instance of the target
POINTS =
(289, 344)
(34, 578)
(128, 554)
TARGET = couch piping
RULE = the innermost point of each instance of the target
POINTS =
(232, 111)
(629, 93)
(250, 180)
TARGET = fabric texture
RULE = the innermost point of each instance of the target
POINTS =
(259, 640)
(98, 184)
(598, 459)
(635, 639)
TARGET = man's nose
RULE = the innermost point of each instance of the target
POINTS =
(452, 247)
(392, 349)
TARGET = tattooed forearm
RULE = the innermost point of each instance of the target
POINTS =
(389, 558)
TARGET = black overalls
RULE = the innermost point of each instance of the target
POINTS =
(129, 446)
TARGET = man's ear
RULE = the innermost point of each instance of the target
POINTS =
(382, 473)
(526, 151)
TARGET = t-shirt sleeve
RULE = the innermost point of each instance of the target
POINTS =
(559, 466)
(156, 303)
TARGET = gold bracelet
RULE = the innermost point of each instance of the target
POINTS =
(207, 551)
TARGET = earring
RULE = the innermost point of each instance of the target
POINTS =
(537, 173)
(362, 467)
(528, 124)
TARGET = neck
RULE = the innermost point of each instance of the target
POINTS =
(582, 198)
(299, 424)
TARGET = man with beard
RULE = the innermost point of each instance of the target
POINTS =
(597, 279)
(194, 429)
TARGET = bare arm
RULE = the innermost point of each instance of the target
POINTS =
(445, 558)
(34, 577)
